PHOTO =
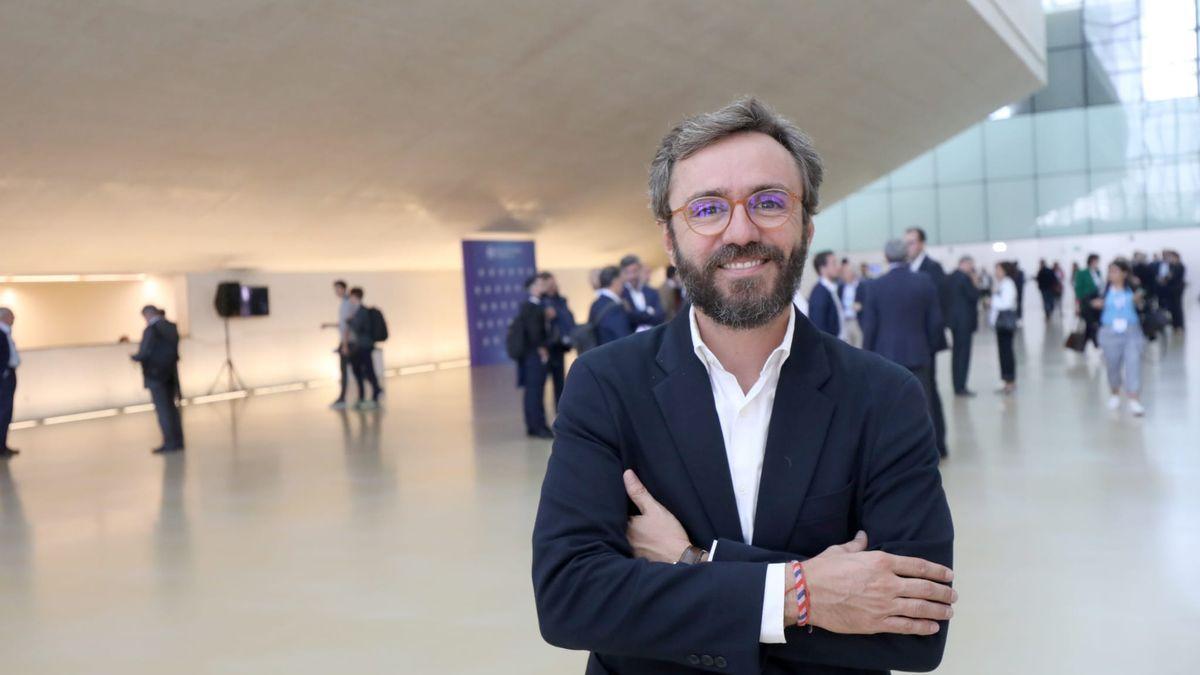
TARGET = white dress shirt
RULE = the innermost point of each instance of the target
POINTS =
(745, 418)
(800, 302)
(1005, 297)
(609, 294)
(849, 293)
(915, 265)
(14, 359)
(638, 297)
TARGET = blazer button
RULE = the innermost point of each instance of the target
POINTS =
(706, 660)
(720, 661)
(694, 660)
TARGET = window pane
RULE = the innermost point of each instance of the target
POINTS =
(1065, 87)
(1114, 136)
(960, 214)
(1062, 205)
(1061, 141)
(1118, 201)
(867, 224)
(960, 159)
(913, 208)
(1009, 147)
(917, 173)
(1170, 81)
(829, 228)
(1110, 20)
(1012, 209)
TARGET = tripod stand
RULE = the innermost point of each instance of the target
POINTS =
(227, 367)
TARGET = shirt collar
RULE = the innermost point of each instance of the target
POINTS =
(831, 286)
(609, 294)
(915, 265)
(774, 361)
(535, 299)
(5, 328)
(153, 321)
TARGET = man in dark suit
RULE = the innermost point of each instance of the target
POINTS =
(963, 319)
(824, 304)
(534, 320)
(644, 303)
(740, 427)
(902, 320)
(9, 361)
(159, 356)
(609, 313)
(1170, 287)
(562, 325)
(914, 240)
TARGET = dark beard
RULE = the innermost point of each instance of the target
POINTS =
(749, 304)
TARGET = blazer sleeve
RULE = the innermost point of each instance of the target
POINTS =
(4, 355)
(869, 320)
(146, 348)
(904, 512)
(934, 323)
(591, 593)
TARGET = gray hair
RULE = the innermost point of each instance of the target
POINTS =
(5, 313)
(895, 251)
(745, 114)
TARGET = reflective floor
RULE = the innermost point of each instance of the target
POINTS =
(294, 539)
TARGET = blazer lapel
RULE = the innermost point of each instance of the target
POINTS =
(686, 400)
(799, 421)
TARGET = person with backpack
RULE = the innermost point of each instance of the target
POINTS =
(562, 327)
(609, 318)
(528, 343)
(366, 328)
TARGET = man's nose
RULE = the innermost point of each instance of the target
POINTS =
(741, 229)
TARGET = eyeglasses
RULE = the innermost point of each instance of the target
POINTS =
(709, 216)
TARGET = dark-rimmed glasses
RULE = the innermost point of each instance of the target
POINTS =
(709, 215)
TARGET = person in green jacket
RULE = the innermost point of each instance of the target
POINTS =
(1088, 284)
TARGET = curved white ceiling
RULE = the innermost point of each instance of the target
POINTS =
(172, 135)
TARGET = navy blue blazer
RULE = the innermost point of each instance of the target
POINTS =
(614, 325)
(933, 269)
(824, 310)
(648, 317)
(159, 353)
(850, 446)
(902, 318)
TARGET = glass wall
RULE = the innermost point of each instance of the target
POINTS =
(1111, 144)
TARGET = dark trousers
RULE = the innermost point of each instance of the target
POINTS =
(555, 369)
(162, 393)
(925, 375)
(343, 361)
(1048, 302)
(364, 371)
(1175, 307)
(935, 406)
(960, 358)
(8, 392)
(1008, 360)
(533, 375)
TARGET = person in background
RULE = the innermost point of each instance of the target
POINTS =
(1004, 299)
(10, 360)
(1171, 284)
(534, 320)
(1019, 279)
(609, 313)
(159, 356)
(594, 279)
(345, 310)
(1046, 282)
(1088, 282)
(1058, 285)
(562, 325)
(671, 293)
(901, 321)
(1121, 339)
(824, 310)
(645, 307)
(360, 350)
(850, 304)
(919, 261)
(963, 320)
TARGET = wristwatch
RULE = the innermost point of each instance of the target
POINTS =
(692, 555)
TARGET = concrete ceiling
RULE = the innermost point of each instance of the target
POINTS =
(173, 135)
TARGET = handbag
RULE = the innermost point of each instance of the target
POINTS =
(1077, 341)
(1006, 319)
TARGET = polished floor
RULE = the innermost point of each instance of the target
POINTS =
(294, 539)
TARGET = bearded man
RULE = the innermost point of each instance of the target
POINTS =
(735, 491)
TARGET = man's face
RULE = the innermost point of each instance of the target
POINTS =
(355, 300)
(7, 318)
(967, 266)
(339, 291)
(745, 276)
(550, 286)
(148, 316)
(537, 288)
(848, 274)
(632, 274)
(833, 268)
(913, 243)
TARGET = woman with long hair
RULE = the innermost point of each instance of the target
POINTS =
(1004, 320)
(1121, 339)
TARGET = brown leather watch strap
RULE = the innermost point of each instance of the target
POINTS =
(692, 555)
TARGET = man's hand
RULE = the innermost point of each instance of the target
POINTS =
(551, 314)
(655, 535)
(852, 590)
(543, 354)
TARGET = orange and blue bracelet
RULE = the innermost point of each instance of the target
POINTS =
(801, 588)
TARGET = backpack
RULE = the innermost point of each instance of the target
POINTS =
(585, 336)
(514, 341)
(377, 325)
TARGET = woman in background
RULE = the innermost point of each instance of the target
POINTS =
(1004, 319)
(1121, 339)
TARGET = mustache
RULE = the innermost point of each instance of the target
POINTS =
(755, 249)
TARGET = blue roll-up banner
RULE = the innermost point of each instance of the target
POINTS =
(494, 274)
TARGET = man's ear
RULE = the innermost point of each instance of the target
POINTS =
(668, 242)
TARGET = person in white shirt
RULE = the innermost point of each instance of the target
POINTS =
(645, 305)
(850, 305)
(346, 310)
(9, 361)
(740, 427)
(1003, 317)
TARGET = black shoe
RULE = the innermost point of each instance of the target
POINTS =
(9, 452)
(167, 448)
(541, 433)
(965, 393)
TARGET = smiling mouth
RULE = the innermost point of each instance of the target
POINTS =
(739, 265)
